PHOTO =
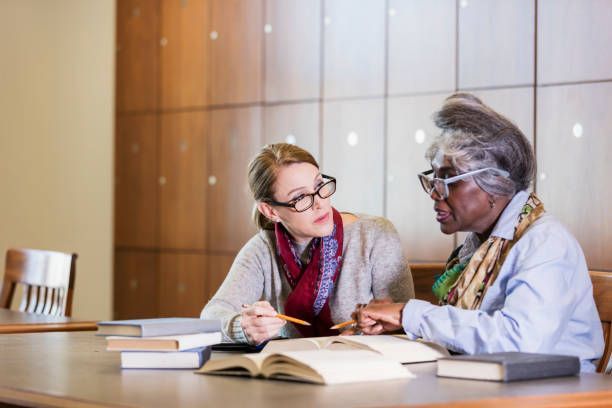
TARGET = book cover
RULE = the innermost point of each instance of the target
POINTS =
(157, 327)
(397, 347)
(508, 366)
(313, 366)
(193, 358)
(162, 343)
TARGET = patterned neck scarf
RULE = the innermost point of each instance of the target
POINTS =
(313, 283)
(465, 281)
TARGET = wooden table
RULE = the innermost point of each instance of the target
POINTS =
(12, 321)
(73, 369)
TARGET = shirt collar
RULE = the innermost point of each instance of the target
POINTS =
(508, 219)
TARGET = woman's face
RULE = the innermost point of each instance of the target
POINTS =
(467, 207)
(293, 181)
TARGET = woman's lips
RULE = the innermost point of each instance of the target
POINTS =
(322, 219)
(442, 216)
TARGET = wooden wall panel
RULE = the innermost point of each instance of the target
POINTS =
(136, 222)
(297, 124)
(421, 54)
(137, 55)
(182, 284)
(574, 171)
(218, 267)
(185, 27)
(515, 103)
(235, 62)
(353, 152)
(496, 43)
(135, 285)
(235, 137)
(410, 132)
(292, 49)
(574, 40)
(354, 48)
(183, 178)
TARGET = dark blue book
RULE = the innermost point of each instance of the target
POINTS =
(193, 358)
(508, 366)
(167, 326)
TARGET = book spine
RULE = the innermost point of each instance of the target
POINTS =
(529, 370)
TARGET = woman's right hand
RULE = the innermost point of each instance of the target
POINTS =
(259, 322)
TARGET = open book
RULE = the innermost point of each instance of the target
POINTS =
(315, 366)
(397, 347)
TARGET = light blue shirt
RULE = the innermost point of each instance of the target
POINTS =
(541, 302)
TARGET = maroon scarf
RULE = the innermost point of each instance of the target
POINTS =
(312, 284)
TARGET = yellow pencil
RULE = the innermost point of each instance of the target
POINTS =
(285, 317)
(292, 319)
(342, 325)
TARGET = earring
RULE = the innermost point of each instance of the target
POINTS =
(491, 203)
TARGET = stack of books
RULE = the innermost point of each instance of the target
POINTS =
(176, 342)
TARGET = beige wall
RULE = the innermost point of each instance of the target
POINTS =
(56, 136)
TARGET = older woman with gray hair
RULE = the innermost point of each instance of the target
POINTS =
(520, 281)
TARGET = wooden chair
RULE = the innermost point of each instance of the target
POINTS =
(424, 275)
(47, 278)
(602, 292)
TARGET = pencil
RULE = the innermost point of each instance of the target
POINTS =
(292, 319)
(286, 318)
(342, 325)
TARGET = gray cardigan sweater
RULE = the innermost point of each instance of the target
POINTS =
(373, 267)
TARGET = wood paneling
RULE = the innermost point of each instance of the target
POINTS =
(136, 285)
(292, 49)
(515, 103)
(354, 48)
(136, 181)
(574, 171)
(182, 284)
(137, 55)
(496, 43)
(353, 152)
(410, 132)
(235, 137)
(421, 54)
(236, 51)
(183, 178)
(574, 40)
(185, 27)
(297, 124)
(218, 267)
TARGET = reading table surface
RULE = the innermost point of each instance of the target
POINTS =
(74, 369)
(12, 321)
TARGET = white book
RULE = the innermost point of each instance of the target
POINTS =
(315, 366)
(162, 343)
(165, 359)
(397, 347)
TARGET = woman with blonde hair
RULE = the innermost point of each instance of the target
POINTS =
(520, 281)
(308, 260)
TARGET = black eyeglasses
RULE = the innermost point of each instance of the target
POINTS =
(305, 201)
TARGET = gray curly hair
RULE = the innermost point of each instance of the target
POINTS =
(474, 136)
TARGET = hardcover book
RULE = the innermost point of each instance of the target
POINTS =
(162, 343)
(157, 327)
(508, 366)
(314, 366)
(193, 358)
(397, 347)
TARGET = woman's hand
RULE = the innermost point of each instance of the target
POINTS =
(379, 316)
(259, 322)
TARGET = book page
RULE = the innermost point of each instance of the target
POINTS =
(333, 367)
(243, 364)
(396, 347)
(310, 343)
